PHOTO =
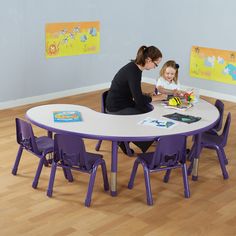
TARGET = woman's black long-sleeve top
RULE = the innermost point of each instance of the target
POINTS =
(125, 90)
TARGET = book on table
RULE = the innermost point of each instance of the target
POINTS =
(183, 118)
(156, 122)
(67, 116)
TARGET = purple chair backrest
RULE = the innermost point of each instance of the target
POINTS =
(225, 132)
(25, 136)
(169, 151)
(220, 106)
(70, 150)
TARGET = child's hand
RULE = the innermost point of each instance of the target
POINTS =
(179, 93)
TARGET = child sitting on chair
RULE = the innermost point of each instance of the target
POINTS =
(168, 83)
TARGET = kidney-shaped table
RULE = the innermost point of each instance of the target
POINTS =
(116, 128)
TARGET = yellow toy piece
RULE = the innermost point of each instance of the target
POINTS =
(192, 97)
(175, 101)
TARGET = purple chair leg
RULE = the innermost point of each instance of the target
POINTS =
(17, 161)
(68, 175)
(133, 173)
(167, 176)
(104, 174)
(51, 180)
(185, 181)
(97, 148)
(38, 172)
(90, 187)
(224, 156)
(50, 134)
(222, 163)
(148, 185)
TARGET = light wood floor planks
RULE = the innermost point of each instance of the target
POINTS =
(211, 210)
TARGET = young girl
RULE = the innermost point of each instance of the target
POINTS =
(168, 80)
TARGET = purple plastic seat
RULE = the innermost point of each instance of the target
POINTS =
(70, 154)
(103, 110)
(216, 142)
(214, 130)
(38, 146)
(220, 106)
(169, 154)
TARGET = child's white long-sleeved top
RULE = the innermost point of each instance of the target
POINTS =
(167, 85)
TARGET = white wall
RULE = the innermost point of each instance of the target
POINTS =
(173, 26)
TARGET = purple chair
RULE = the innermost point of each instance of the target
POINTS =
(70, 154)
(103, 110)
(220, 106)
(169, 154)
(38, 146)
(216, 142)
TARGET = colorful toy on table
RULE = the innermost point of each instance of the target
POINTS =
(174, 101)
(189, 97)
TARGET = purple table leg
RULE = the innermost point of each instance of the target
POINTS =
(114, 168)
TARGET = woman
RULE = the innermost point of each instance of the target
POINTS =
(125, 95)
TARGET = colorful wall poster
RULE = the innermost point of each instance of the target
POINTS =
(69, 39)
(213, 64)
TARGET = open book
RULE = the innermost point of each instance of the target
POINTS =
(156, 122)
(67, 116)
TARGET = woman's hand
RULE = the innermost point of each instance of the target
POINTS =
(159, 97)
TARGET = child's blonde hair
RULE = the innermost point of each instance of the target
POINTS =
(173, 65)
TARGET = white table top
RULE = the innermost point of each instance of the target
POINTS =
(97, 125)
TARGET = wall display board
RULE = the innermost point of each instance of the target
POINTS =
(213, 64)
(69, 39)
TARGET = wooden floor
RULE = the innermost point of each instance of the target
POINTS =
(211, 209)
